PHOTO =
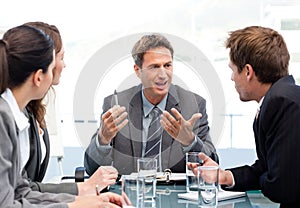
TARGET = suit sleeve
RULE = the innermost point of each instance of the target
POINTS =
(24, 194)
(69, 188)
(15, 191)
(97, 155)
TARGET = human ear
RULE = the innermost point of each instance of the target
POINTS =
(137, 70)
(249, 71)
(37, 77)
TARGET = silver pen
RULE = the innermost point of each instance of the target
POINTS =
(112, 162)
(97, 190)
(116, 97)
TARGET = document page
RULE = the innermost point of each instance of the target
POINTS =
(222, 195)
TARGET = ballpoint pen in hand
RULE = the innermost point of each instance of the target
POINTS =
(112, 162)
(116, 97)
(97, 190)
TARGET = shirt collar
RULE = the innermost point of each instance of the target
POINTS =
(147, 106)
(20, 118)
(260, 102)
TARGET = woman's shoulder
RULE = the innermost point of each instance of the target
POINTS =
(4, 108)
(6, 115)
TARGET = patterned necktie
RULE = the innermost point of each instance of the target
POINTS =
(154, 134)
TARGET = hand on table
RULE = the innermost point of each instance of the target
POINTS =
(105, 200)
(225, 176)
(104, 176)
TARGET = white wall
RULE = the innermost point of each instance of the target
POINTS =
(87, 26)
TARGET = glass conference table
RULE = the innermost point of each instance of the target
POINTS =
(166, 197)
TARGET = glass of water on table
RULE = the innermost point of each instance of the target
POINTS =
(191, 178)
(147, 168)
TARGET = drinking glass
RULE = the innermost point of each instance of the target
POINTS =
(147, 168)
(132, 191)
(191, 178)
(208, 177)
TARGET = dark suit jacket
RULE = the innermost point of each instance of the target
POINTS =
(35, 170)
(127, 145)
(277, 135)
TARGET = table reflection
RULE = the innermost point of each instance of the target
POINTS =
(166, 197)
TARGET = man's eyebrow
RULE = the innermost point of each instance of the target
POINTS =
(154, 64)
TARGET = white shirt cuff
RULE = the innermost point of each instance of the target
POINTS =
(233, 182)
(104, 147)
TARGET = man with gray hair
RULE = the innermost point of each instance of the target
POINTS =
(177, 116)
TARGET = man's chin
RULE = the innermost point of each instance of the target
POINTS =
(244, 99)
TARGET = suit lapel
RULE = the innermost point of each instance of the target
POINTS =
(135, 123)
(33, 163)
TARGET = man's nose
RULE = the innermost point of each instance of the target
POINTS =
(162, 71)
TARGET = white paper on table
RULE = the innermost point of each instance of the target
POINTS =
(160, 176)
(222, 195)
(173, 177)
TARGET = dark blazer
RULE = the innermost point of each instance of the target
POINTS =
(35, 170)
(277, 135)
(127, 144)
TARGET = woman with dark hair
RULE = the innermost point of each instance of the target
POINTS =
(27, 63)
(36, 166)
